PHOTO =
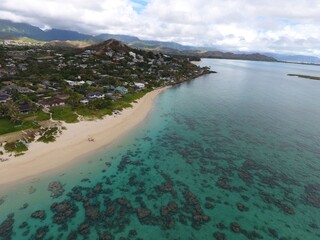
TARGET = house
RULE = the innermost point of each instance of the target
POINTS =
(121, 90)
(73, 83)
(25, 108)
(139, 85)
(84, 101)
(4, 97)
(24, 90)
(95, 95)
(52, 102)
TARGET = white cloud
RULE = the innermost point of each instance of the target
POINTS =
(255, 25)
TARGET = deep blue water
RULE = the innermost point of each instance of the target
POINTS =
(233, 155)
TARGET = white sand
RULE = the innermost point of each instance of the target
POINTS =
(73, 143)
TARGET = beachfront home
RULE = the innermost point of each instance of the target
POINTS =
(139, 85)
(121, 90)
(4, 97)
(25, 108)
(52, 102)
(95, 95)
(73, 83)
(84, 101)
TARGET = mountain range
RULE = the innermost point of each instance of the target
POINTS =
(11, 30)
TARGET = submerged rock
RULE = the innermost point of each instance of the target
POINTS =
(273, 232)
(169, 209)
(241, 207)
(219, 236)
(312, 195)
(41, 232)
(106, 236)
(84, 229)
(92, 213)
(63, 211)
(23, 225)
(6, 227)
(235, 227)
(24, 206)
(40, 214)
(143, 213)
(56, 189)
(208, 205)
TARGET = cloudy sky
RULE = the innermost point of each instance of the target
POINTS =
(284, 26)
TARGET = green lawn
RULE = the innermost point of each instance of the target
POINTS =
(126, 101)
(93, 113)
(6, 126)
(42, 116)
(64, 114)
(38, 116)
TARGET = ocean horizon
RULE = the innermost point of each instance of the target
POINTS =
(232, 155)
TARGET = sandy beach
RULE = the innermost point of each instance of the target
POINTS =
(78, 139)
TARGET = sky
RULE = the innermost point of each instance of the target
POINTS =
(280, 26)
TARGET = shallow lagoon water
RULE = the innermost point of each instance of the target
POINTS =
(233, 155)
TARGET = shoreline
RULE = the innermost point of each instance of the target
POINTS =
(74, 142)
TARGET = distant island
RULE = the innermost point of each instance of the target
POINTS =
(304, 76)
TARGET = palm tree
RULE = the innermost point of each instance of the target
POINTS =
(13, 111)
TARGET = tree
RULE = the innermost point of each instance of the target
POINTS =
(74, 99)
(13, 111)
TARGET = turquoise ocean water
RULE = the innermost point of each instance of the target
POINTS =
(233, 155)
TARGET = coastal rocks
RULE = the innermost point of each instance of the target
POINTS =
(40, 214)
(6, 227)
(56, 189)
(63, 211)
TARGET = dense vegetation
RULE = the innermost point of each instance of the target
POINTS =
(42, 83)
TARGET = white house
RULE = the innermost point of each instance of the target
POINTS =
(139, 85)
